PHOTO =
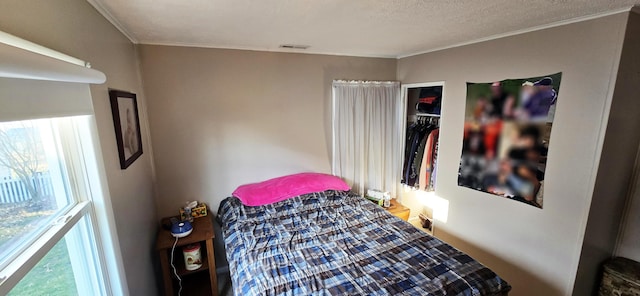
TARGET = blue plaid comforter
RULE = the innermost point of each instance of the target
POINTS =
(338, 243)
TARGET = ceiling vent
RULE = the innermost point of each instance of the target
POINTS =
(294, 46)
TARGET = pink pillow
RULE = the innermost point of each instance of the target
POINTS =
(281, 188)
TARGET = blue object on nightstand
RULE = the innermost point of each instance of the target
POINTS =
(181, 229)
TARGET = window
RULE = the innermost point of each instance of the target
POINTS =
(65, 270)
(53, 202)
(47, 238)
(33, 187)
(367, 124)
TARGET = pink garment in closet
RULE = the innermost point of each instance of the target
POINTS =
(427, 160)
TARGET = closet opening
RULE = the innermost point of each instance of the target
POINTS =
(423, 114)
(422, 131)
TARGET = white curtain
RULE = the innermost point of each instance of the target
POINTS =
(367, 140)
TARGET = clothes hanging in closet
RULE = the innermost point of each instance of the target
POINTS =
(415, 135)
(428, 167)
(418, 150)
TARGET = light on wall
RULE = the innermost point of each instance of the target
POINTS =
(439, 205)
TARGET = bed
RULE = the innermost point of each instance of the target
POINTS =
(338, 243)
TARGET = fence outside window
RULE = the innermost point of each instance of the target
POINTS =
(14, 190)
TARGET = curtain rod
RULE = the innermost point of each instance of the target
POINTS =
(356, 82)
(18, 42)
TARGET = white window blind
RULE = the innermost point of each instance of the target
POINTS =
(34, 85)
(22, 99)
(19, 62)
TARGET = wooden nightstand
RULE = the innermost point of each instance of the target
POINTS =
(193, 282)
(398, 210)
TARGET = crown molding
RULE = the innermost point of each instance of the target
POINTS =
(278, 50)
(531, 29)
(97, 4)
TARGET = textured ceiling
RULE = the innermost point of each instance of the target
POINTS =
(388, 28)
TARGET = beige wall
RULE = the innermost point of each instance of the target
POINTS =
(222, 118)
(74, 27)
(616, 164)
(536, 250)
(629, 245)
(628, 80)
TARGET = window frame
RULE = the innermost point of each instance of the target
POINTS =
(89, 196)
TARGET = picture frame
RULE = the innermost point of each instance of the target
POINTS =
(126, 123)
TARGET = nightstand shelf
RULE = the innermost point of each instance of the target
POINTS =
(182, 271)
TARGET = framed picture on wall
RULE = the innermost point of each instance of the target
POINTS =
(124, 108)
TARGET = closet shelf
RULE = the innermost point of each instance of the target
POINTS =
(428, 114)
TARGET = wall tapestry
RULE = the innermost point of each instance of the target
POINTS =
(506, 137)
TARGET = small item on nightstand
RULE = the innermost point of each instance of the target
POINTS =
(192, 258)
(185, 213)
(181, 229)
(167, 223)
(377, 196)
(375, 200)
(387, 200)
(193, 209)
